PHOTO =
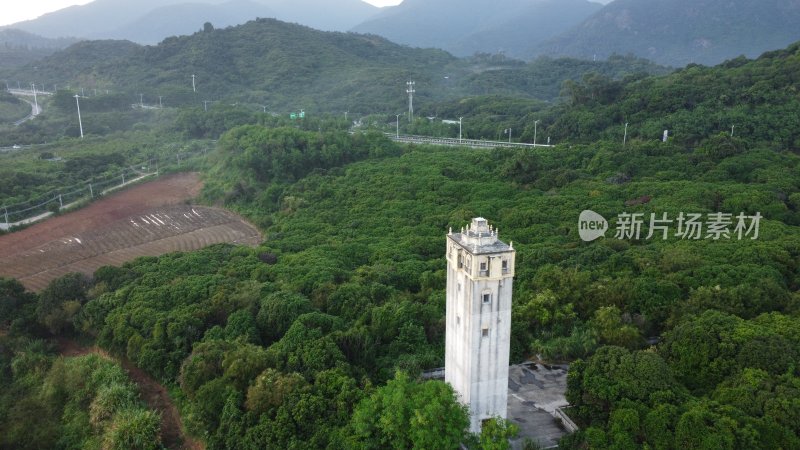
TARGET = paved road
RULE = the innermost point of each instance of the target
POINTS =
(455, 142)
(35, 111)
(27, 92)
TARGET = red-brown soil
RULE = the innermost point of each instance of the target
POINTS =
(146, 220)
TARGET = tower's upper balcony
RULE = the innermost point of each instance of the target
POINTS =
(480, 238)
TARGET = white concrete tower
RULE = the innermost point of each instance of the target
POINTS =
(480, 274)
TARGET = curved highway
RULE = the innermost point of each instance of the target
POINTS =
(24, 94)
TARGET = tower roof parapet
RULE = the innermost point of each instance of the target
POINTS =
(480, 237)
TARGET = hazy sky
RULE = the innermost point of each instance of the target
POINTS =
(16, 11)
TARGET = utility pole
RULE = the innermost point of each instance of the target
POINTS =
(141, 101)
(732, 126)
(410, 92)
(265, 109)
(35, 101)
(459, 128)
(205, 105)
(534, 132)
(625, 136)
(397, 134)
(194, 89)
(80, 123)
(508, 132)
(159, 102)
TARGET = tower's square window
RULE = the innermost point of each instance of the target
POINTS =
(485, 332)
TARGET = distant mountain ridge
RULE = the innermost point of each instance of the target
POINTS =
(18, 47)
(186, 18)
(281, 65)
(150, 21)
(679, 32)
(464, 27)
(10, 37)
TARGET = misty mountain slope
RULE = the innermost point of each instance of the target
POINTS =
(81, 64)
(468, 26)
(535, 23)
(18, 47)
(678, 32)
(150, 21)
(11, 37)
(187, 18)
(325, 15)
(98, 18)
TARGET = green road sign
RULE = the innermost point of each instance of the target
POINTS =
(293, 116)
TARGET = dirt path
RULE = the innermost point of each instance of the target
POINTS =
(153, 393)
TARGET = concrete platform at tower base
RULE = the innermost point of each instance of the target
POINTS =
(535, 392)
(535, 397)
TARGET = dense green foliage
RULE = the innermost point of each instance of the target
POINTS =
(759, 98)
(38, 174)
(84, 402)
(542, 78)
(717, 382)
(400, 415)
(12, 108)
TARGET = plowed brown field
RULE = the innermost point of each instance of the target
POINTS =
(146, 220)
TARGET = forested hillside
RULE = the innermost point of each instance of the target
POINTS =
(290, 67)
(18, 47)
(280, 346)
(758, 98)
(316, 338)
(12, 108)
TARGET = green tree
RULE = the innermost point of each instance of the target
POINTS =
(409, 414)
(495, 434)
